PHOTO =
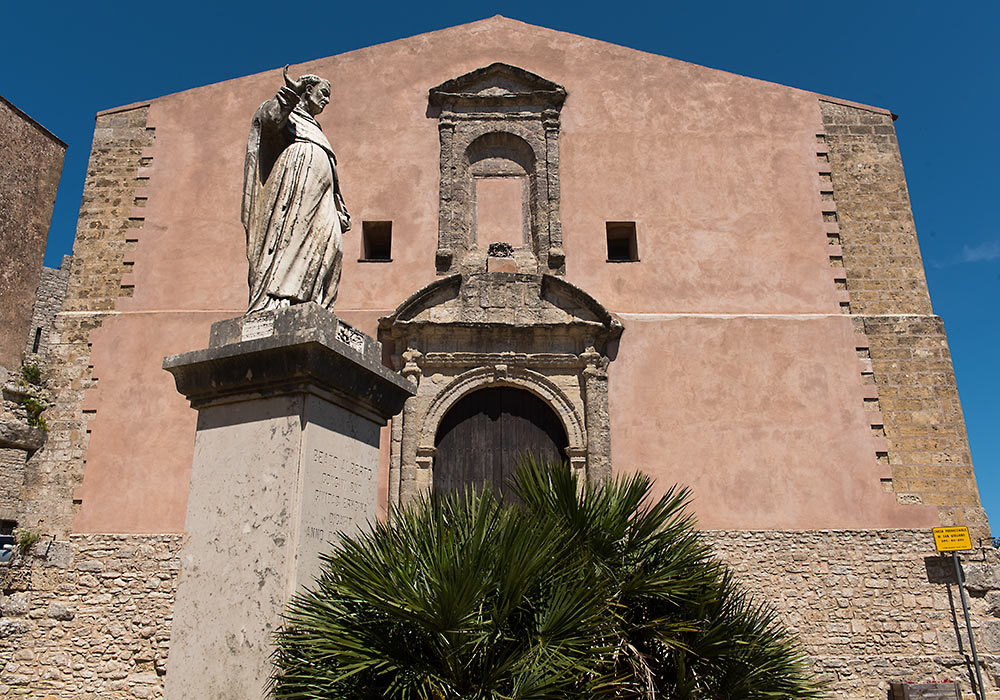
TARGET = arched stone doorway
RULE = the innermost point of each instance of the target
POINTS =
(480, 437)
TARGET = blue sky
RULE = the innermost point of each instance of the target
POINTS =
(934, 64)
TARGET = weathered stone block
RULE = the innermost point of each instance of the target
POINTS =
(925, 691)
(15, 604)
(58, 611)
(990, 636)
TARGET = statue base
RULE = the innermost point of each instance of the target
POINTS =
(290, 403)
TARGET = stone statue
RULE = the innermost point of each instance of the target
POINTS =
(293, 212)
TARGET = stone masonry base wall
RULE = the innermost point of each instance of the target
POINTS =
(11, 475)
(90, 617)
(873, 606)
(48, 302)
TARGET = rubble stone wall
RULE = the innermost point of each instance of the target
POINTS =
(89, 617)
(11, 476)
(872, 606)
(48, 302)
(32, 161)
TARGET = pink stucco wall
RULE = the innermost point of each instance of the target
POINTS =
(736, 374)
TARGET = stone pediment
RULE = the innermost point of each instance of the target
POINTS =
(502, 298)
(496, 85)
(478, 307)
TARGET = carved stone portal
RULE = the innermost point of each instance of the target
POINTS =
(467, 332)
(503, 316)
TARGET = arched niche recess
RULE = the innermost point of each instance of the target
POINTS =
(498, 122)
(501, 186)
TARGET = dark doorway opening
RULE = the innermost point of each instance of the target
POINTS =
(480, 438)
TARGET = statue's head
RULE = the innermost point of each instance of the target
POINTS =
(316, 95)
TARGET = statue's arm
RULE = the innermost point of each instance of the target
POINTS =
(338, 199)
(345, 216)
(274, 113)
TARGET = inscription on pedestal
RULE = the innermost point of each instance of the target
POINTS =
(340, 496)
(257, 326)
(339, 484)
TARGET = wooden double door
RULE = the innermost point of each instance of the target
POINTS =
(481, 437)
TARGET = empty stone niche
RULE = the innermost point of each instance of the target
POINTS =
(499, 131)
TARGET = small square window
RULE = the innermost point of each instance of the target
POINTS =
(376, 243)
(621, 242)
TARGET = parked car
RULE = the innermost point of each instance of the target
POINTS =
(6, 547)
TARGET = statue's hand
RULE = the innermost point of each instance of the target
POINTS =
(295, 85)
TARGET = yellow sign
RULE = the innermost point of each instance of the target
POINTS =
(952, 539)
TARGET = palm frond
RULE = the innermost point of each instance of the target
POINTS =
(571, 591)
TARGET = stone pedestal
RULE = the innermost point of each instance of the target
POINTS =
(290, 403)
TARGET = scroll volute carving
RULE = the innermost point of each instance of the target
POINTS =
(499, 131)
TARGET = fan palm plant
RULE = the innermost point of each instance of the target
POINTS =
(572, 592)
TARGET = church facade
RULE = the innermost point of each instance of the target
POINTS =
(630, 262)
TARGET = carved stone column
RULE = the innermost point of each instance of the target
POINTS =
(578, 461)
(556, 256)
(446, 214)
(595, 377)
(423, 479)
(406, 471)
(395, 459)
(411, 370)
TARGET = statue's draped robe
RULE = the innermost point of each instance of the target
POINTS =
(292, 208)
